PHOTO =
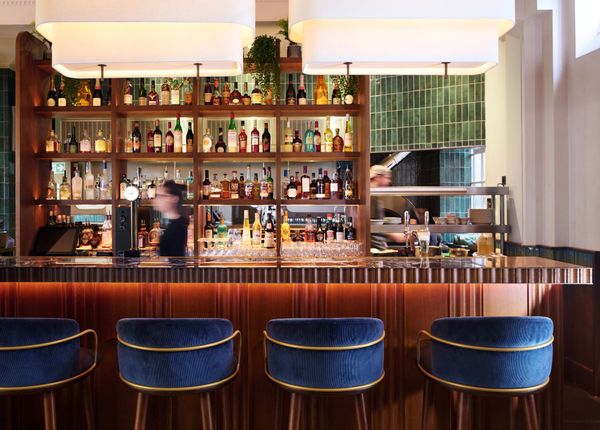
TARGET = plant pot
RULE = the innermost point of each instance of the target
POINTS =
(294, 51)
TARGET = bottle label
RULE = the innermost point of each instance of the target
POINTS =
(157, 140)
(206, 144)
(339, 236)
(334, 187)
(177, 141)
(249, 190)
(143, 101)
(128, 99)
(164, 97)
(220, 149)
(302, 101)
(336, 101)
(207, 98)
(206, 190)
(51, 103)
(292, 193)
(291, 101)
(256, 98)
(269, 239)
(348, 142)
(169, 141)
(305, 185)
(62, 102)
(189, 144)
(96, 102)
(174, 97)
(320, 195)
(232, 141)
(330, 235)
(151, 192)
(270, 188)
(264, 190)
(153, 101)
(188, 98)
(256, 239)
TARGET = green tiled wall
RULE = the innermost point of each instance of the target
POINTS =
(455, 170)
(7, 155)
(411, 113)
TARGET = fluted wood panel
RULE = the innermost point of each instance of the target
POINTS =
(251, 401)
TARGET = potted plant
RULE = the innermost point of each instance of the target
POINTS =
(263, 56)
(293, 50)
(348, 85)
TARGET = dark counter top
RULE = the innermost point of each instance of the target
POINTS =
(248, 270)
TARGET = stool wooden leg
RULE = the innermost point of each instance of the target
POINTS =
(427, 401)
(206, 411)
(464, 411)
(361, 412)
(141, 411)
(531, 413)
(50, 411)
(295, 409)
(88, 404)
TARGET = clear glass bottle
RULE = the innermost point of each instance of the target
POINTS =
(328, 136)
(320, 93)
(51, 144)
(256, 231)
(51, 189)
(246, 236)
(348, 147)
(285, 228)
(189, 186)
(338, 141)
(85, 144)
(65, 188)
(207, 142)
(100, 144)
(88, 183)
(76, 185)
(104, 182)
(309, 139)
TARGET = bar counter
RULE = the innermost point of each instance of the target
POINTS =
(407, 294)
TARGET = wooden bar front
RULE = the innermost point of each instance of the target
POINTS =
(251, 401)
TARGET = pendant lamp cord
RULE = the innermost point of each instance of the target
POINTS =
(102, 66)
(347, 63)
(445, 63)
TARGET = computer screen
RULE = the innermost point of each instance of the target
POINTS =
(56, 241)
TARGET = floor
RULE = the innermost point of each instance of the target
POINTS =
(582, 412)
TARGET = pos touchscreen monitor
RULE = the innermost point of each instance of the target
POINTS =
(56, 241)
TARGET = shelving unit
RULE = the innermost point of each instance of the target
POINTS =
(34, 120)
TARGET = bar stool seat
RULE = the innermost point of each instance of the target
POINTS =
(325, 356)
(487, 356)
(176, 356)
(42, 355)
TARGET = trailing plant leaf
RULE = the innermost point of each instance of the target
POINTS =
(264, 56)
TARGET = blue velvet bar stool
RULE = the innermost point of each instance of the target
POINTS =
(160, 356)
(42, 355)
(487, 356)
(325, 356)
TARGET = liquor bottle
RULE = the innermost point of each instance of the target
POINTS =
(207, 92)
(208, 228)
(157, 137)
(52, 99)
(256, 97)
(226, 92)
(143, 96)
(285, 228)
(290, 95)
(176, 93)
(100, 144)
(234, 186)
(348, 136)
(128, 93)
(165, 93)
(51, 190)
(73, 145)
(89, 183)
(104, 182)
(153, 95)
(142, 237)
(65, 188)
(169, 139)
(188, 92)
(154, 234)
(61, 98)
(243, 138)
(249, 186)
(189, 186)
(320, 233)
(84, 93)
(298, 185)
(215, 188)
(144, 194)
(51, 141)
(165, 175)
(336, 94)
(152, 190)
(350, 230)
(150, 140)
(328, 136)
(313, 186)
(297, 142)
(309, 139)
(225, 187)
(108, 96)
(189, 140)
(301, 98)
(305, 179)
(288, 137)
(292, 190)
(339, 186)
(340, 234)
(317, 139)
(221, 146)
(232, 135)
(51, 219)
(216, 95)
(320, 93)
(255, 139)
(178, 179)
(348, 185)
(136, 138)
(269, 242)
(123, 184)
(331, 230)
(284, 184)
(320, 186)
(246, 236)
(338, 142)
(178, 136)
(97, 95)
(264, 186)
(242, 187)
(85, 144)
(327, 186)
(266, 139)
(76, 185)
(256, 231)
(207, 142)
(246, 99)
(236, 96)
(270, 186)
(256, 187)
(309, 230)
(206, 186)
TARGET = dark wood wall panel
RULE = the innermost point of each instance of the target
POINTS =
(252, 402)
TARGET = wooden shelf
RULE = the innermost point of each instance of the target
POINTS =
(318, 110)
(442, 228)
(237, 202)
(290, 65)
(238, 110)
(250, 157)
(60, 156)
(281, 110)
(72, 202)
(330, 202)
(161, 111)
(319, 156)
(149, 202)
(156, 156)
(101, 112)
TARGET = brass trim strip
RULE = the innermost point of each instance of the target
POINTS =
(181, 349)
(196, 387)
(324, 390)
(45, 344)
(487, 348)
(323, 348)
(62, 381)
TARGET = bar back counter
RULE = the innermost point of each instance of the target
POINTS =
(407, 294)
